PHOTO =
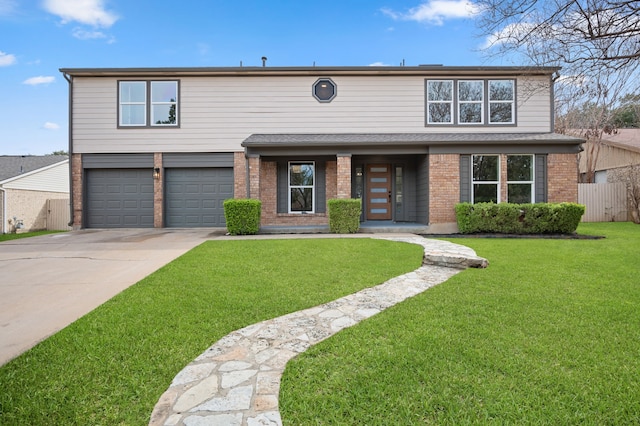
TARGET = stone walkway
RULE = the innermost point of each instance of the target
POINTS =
(237, 380)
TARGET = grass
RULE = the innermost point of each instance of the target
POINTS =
(8, 237)
(548, 334)
(111, 366)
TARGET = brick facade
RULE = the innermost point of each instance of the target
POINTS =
(562, 178)
(444, 187)
(239, 175)
(158, 184)
(344, 176)
(76, 189)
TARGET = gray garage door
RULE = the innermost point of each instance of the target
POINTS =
(119, 198)
(194, 197)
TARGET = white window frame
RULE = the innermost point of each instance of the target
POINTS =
(484, 182)
(451, 106)
(152, 103)
(511, 102)
(461, 102)
(312, 187)
(531, 182)
(149, 119)
(122, 104)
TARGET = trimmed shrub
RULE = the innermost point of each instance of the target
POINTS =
(344, 215)
(506, 218)
(242, 216)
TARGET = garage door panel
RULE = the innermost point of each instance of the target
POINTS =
(119, 198)
(193, 196)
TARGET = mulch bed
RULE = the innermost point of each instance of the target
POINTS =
(519, 236)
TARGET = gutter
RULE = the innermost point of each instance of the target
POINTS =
(70, 81)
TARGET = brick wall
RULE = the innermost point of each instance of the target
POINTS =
(158, 184)
(239, 175)
(269, 197)
(343, 176)
(444, 187)
(76, 188)
(562, 178)
(254, 177)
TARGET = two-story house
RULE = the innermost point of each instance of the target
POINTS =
(164, 147)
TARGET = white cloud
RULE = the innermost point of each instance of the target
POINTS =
(7, 7)
(435, 12)
(7, 59)
(51, 126)
(90, 12)
(379, 64)
(34, 81)
(509, 34)
(81, 34)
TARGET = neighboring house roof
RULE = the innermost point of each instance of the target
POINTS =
(628, 139)
(12, 166)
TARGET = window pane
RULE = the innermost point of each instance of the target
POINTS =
(519, 193)
(471, 113)
(301, 174)
(520, 168)
(132, 115)
(301, 199)
(164, 91)
(501, 90)
(470, 91)
(500, 113)
(440, 113)
(485, 168)
(485, 193)
(133, 91)
(440, 90)
(163, 114)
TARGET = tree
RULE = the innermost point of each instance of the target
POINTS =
(595, 35)
(595, 42)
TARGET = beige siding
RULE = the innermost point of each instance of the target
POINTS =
(218, 113)
(51, 179)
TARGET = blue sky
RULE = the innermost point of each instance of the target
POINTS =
(37, 37)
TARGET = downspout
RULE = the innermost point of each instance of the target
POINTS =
(70, 80)
(4, 208)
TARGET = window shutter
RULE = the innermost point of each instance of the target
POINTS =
(465, 178)
(283, 187)
(541, 178)
(321, 187)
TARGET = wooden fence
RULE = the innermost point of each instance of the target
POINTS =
(605, 202)
(58, 215)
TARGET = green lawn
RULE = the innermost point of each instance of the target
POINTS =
(111, 366)
(8, 237)
(548, 334)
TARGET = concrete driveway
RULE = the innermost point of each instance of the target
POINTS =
(48, 282)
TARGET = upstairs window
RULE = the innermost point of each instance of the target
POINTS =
(470, 102)
(440, 102)
(501, 102)
(148, 103)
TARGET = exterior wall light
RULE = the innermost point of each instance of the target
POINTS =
(156, 173)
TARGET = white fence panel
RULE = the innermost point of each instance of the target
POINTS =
(604, 202)
(58, 214)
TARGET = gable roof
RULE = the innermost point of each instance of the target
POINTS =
(16, 165)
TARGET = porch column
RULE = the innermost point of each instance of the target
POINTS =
(344, 175)
(158, 184)
(254, 177)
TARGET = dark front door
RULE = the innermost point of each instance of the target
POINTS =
(378, 191)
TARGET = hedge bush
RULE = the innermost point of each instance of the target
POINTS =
(506, 218)
(242, 216)
(344, 215)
